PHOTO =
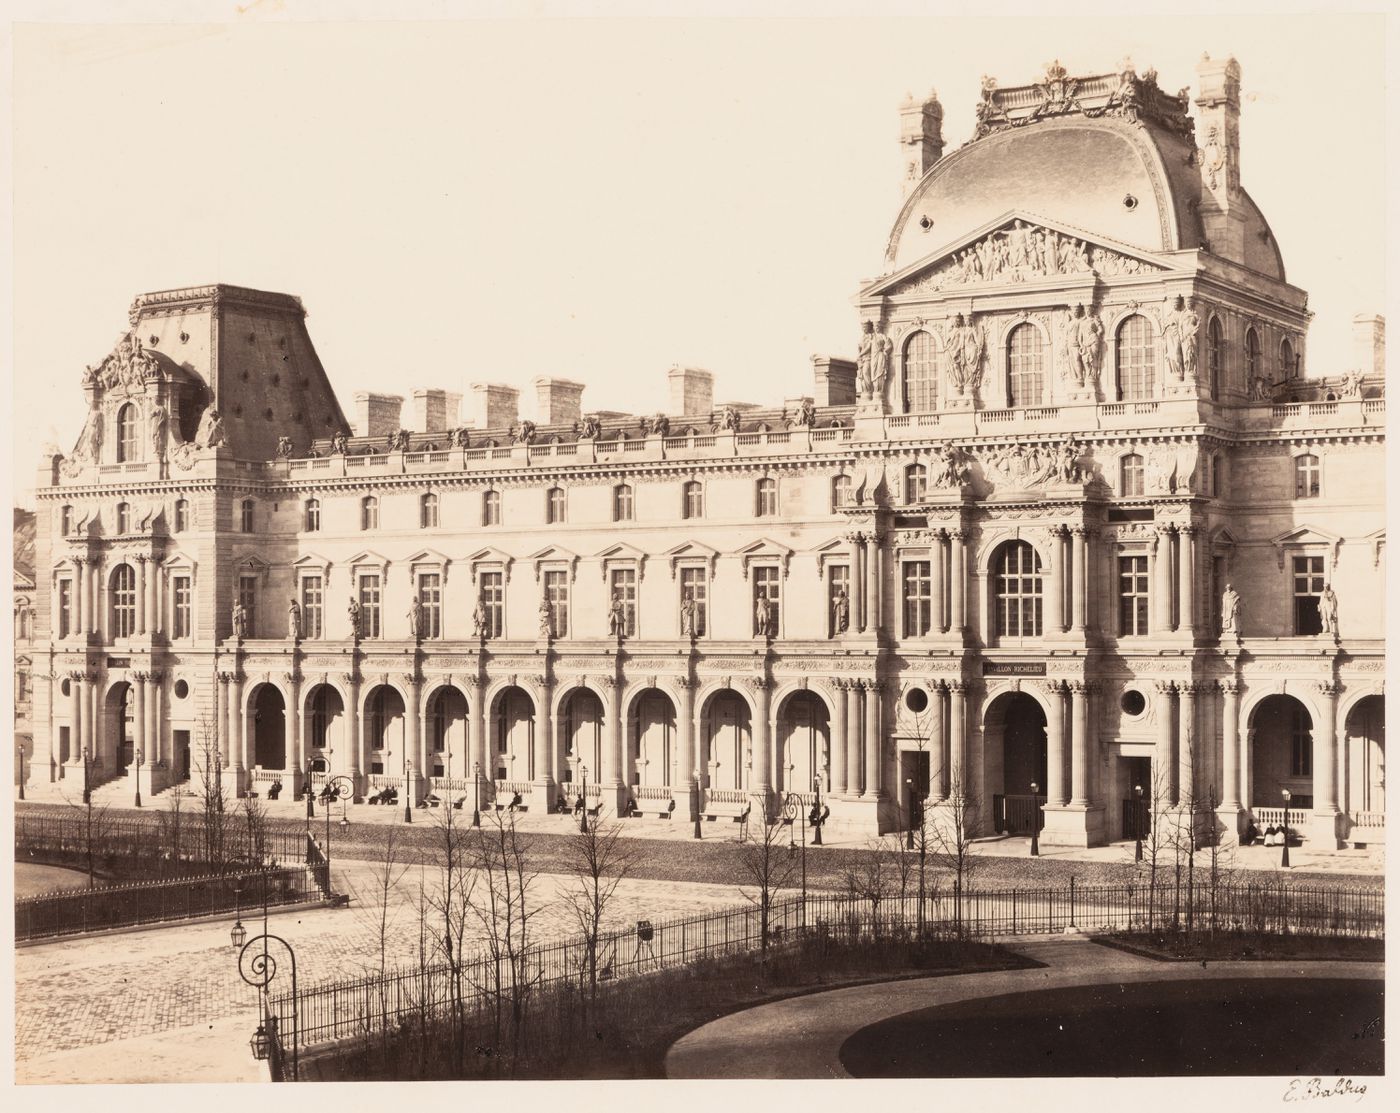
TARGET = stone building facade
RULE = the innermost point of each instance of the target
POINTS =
(1077, 521)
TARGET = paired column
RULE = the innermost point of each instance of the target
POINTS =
(1164, 765)
(475, 756)
(1079, 763)
(1162, 581)
(413, 722)
(938, 741)
(544, 732)
(1055, 795)
(1230, 736)
(76, 716)
(957, 737)
(80, 607)
(296, 757)
(1325, 750)
(142, 686)
(238, 747)
(938, 573)
(352, 727)
(839, 748)
(1186, 580)
(689, 782)
(1080, 574)
(612, 766)
(140, 595)
(94, 596)
(851, 693)
(872, 581)
(858, 579)
(957, 587)
(1186, 751)
(873, 748)
(1054, 584)
(222, 682)
(761, 779)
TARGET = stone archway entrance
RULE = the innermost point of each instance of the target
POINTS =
(118, 743)
(384, 730)
(1280, 741)
(727, 739)
(448, 753)
(269, 726)
(512, 753)
(581, 731)
(804, 744)
(1365, 772)
(651, 733)
(1015, 760)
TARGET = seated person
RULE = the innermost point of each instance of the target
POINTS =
(514, 802)
(578, 805)
(631, 808)
(275, 790)
(1271, 835)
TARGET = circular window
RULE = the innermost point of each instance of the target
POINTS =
(916, 699)
(1133, 702)
(182, 689)
(67, 687)
(1130, 202)
(925, 222)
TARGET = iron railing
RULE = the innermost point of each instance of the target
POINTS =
(154, 845)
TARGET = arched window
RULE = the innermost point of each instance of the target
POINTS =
(554, 505)
(915, 483)
(1137, 359)
(1025, 366)
(182, 515)
(491, 508)
(123, 601)
(1307, 474)
(1017, 570)
(65, 521)
(428, 511)
(369, 512)
(1215, 356)
(1131, 475)
(693, 499)
(766, 492)
(313, 515)
(841, 491)
(245, 516)
(622, 503)
(123, 518)
(1253, 361)
(920, 373)
(126, 433)
(1288, 359)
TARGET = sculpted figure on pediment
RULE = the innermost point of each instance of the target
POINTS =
(948, 466)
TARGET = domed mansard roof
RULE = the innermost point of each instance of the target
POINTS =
(1078, 155)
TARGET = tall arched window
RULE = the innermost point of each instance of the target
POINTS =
(123, 601)
(182, 515)
(554, 505)
(491, 508)
(245, 516)
(428, 511)
(1287, 359)
(1130, 475)
(841, 491)
(1137, 359)
(1253, 363)
(123, 518)
(1025, 366)
(126, 433)
(622, 503)
(1017, 570)
(369, 512)
(1216, 355)
(313, 515)
(915, 483)
(1307, 476)
(692, 499)
(65, 522)
(920, 373)
(766, 498)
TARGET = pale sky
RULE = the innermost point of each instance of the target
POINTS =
(597, 199)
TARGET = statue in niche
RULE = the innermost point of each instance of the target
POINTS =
(240, 621)
(1230, 611)
(1085, 346)
(479, 619)
(546, 619)
(841, 611)
(967, 344)
(1327, 610)
(415, 618)
(294, 621)
(688, 616)
(158, 422)
(211, 429)
(617, 619)
(1179, 327)
(762, 617)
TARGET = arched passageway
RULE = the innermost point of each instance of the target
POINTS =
(325, 715)
(384, 729)
(724, 760)
(1365, 739)
(512, 736)
(581, 734)
(651, 738)
(449, 754)
(804, 743)
(269, 727)
(1015, 762)
(118, 743)
(1280, 740)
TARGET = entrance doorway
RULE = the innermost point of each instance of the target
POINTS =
(913, 786)
(1015, 761)
(182, 755)
(1136, 817)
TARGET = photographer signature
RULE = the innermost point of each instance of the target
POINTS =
(1305, 1089)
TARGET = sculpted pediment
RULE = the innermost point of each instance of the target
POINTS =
(1013, 249)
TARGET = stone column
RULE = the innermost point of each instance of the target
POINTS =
(1186, 580)
(354, 759)
(872, 582)
(155, 623)
(957, 588)
(140, 595)
(688, 790)
(1079, 743)
(1230, 741)
(76, 728)
(412, 723)
(761, 779)
(1080, 575)
(1325, 751)
(1054, 581)
(80, 606)
(613, 765)
(295, 763)
(858, 579)
(957, 737)
(94, 599)
(238, 743)
(938, 741)
(544, 738)
(1187, 758)
(475, 756)
(1162, 583)
(851, 692)
(874, 749)
(221, 684)
(1055, 795)
(937, 574)
(837, 787)
(1164, 758)
(142, 739)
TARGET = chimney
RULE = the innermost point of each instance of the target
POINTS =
(1218, 135)
(377, 415)
(495, 405)
(1368, 341)
(920, 137)
(434, 411)
(692, 391)
(835, 381)
(558, 401)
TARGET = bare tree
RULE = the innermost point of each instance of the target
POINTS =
(598, 859)
(254, 822)
(1156, 839)
(172, 823)
(211, 794)
(766, 863)
(874, 874)
(951, 832)
(96, 825)
(447, 913)
(377, 905)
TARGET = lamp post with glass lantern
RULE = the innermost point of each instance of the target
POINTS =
(407, 790)
(1035, 820)
(817, 818)
(476, 794)
(909, 834)
(87, 776)
(310, 795)
(583, 813)
(1287, 796)
(139, 757)
(20, 756)
(795, 813)
(337, 788)
(258, 968)
(1137, 821)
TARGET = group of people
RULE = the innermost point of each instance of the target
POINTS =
(1273, 835)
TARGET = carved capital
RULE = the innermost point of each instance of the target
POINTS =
(140, 677)
(1328, 689)
(541, 681)
(1077, 688)
(607, 683)
(1230, 687)
(350, 680)
(1165, 530)
(957, 687)
(411, 680)
(1187, 531)
(1164, 687)
(1057, 687)
(687, 683)
(1189, 689)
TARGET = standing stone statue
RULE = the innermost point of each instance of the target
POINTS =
(158, 418)
(415, 619)
(617, 622)
(479, 619)
(1179, 338)
(240, 621)
(1085, 342)
(353, 612)
(546, 619)
(762, 618)
(1327, 609)
(966, 347)
(688, 617)
(841, 611)
(1230, 608)
(294, 621)
(211, 429)
(874, 362)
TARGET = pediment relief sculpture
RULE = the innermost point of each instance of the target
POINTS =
(125, 368)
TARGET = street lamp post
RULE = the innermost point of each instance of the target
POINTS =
(1035, 820)
(259, 968)
(1137, 821)
(817, 812)
(909, 834)
(87, 776)
(793, 809)
(20, 756)
(337, 788)
(407, 791)
(1287, 796)
(310, 795)
(138, 778)
(476, 794)
(218, 782)
(583, 815)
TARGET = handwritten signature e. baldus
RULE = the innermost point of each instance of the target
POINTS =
(1306, 1089)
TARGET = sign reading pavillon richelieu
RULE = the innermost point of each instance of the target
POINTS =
(1013, 668)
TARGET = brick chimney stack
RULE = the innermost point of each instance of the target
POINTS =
(434, 411)
(495, 405)
(377, 415)
(1368, 341)
(692, 391)
(920, 137)
(558, 401)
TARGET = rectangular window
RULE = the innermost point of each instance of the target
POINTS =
(556, 594)
(493, 603)
(248, 600)
(311, 600)
(181, 606)
(838, 602)
(695, 586)
(124, 602)
(369, 606)
(430, 599)
(624, 591)
(765, 586)
(65, 608)
(1132, 595)
(918, 598)
(1307, 592)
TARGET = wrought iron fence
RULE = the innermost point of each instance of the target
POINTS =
(336, 1011)
(151, 902)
